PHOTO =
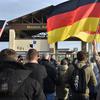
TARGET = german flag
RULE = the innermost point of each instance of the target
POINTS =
(78, 18)
(2, 26)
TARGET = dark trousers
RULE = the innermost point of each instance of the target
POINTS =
(77, 96)
(93, 96)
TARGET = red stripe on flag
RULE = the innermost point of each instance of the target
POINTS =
(68, 18)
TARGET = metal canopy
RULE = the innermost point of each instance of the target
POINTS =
(33, 21)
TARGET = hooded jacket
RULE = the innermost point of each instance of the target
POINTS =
(21, 86)
(38, 72)
(89, 74)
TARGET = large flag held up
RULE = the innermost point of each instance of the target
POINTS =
(2, 26)
(78, 18)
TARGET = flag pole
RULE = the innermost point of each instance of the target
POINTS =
(90, 52)
(90, 47)
(3, 28)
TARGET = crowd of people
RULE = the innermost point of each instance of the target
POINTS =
(43, 78)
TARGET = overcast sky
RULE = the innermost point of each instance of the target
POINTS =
(10, 9)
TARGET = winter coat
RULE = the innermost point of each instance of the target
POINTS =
(22, 87)
(50, 81)
(89, 74)
(97, 58)
(38, 71)
(62, 90)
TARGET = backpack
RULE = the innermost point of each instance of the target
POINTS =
(78, 80)
(11, 80)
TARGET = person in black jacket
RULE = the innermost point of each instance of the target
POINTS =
(53, 61)
(38, 71)
(15, 83)
(50, 81)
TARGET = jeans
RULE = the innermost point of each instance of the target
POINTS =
(51, 96)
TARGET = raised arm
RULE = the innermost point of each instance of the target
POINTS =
(95, 52)
(96, 55)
